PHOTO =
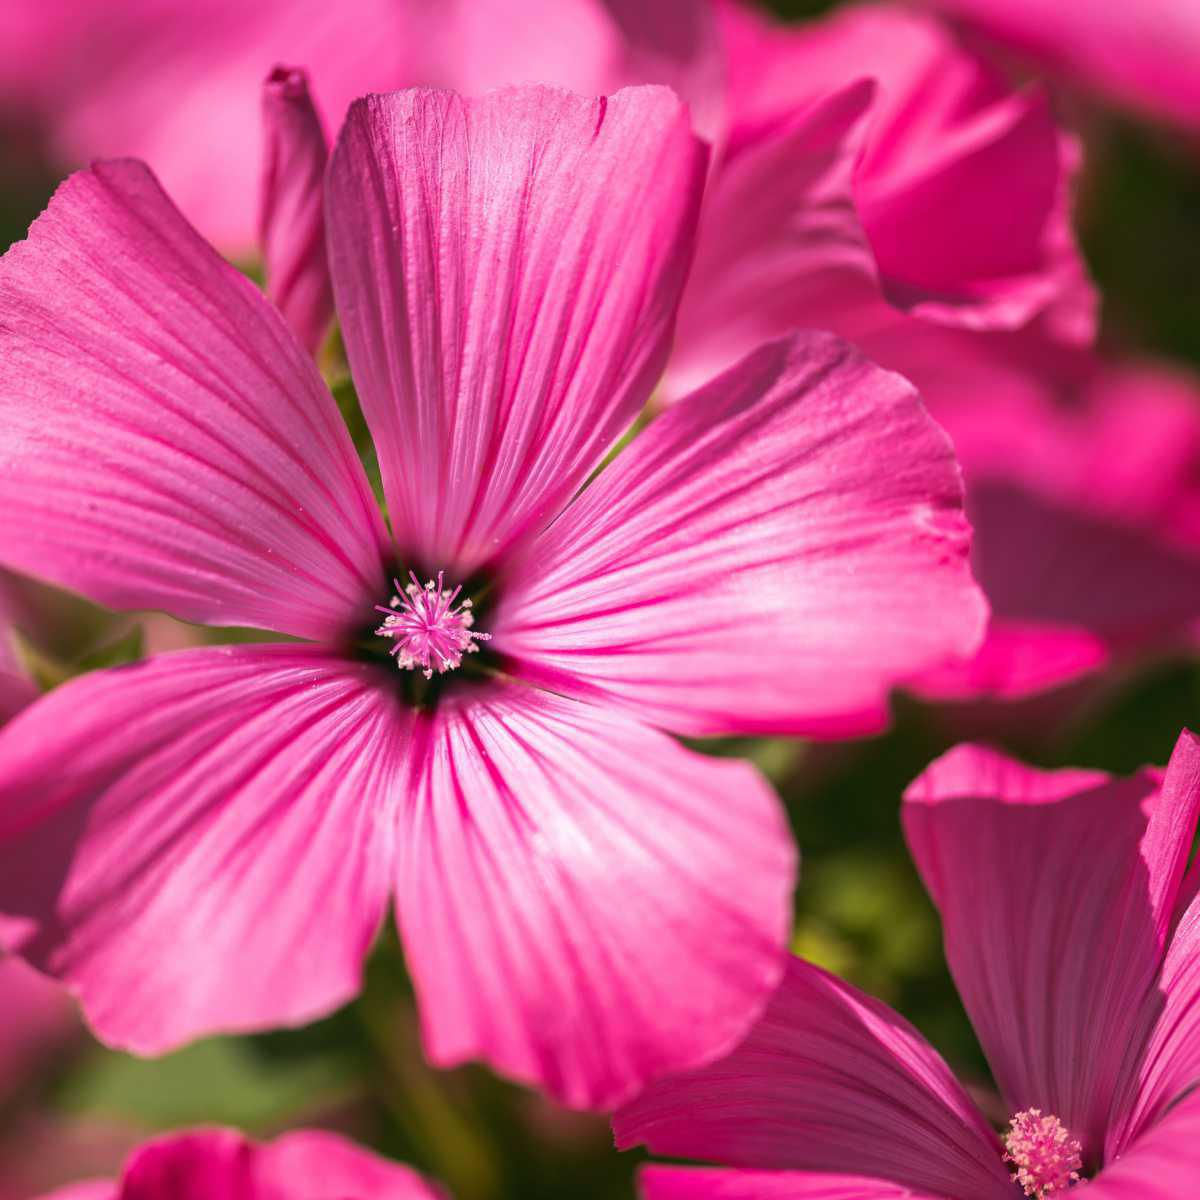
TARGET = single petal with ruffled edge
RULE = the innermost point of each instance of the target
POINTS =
(201, 841)
(707, 1183)
(1169, 1066)
(585, 904)
(506, 272)
(165, 442)
(772, 553)
(1056, 891)
(828, 1080)
(291, 215)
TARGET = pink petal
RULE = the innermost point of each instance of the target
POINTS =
(585, 904)
(36, 1019)
(165, 441)
(703, 1183)
(221, 1164)
(291, 207)
(1143, 55)
(780, 244)
(1163, 1164)
(16, 688)
(745, 565)
(1056, 891)
(195, 843)
(1170, 1062)
(828, 1080)
(506, 271)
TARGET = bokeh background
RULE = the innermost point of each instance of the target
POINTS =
(70, 1108)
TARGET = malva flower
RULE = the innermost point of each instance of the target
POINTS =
(1139, 55)
(220, 1164)
(1072, 929)
(207, 840)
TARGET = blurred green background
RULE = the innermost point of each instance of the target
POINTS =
(860, 908)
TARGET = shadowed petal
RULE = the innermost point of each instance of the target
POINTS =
(201, 841)
(506, 271)
(164, 440)
(584, 903)
(1056, 891)
(291, 219)
(828, 1080)
(1163, 1164)
(773, 553)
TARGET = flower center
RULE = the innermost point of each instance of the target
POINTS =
(1045, 1158)
(429, 630)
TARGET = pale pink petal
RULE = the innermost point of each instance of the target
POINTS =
(828, 1080)
(201, 841)
(705, 1183)
(1143, 55)
(747, 564)
(164, 440)
(585, 904)
(1056, 891)
(291, 216)
(506, 271)
(1163, 1164)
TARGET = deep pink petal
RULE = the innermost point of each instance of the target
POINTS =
(746, 564)
(291, 218)
(507, 271)
(705, 1183)
(200, 841)
(1170, 1064)
(1056, 891)
(1143, 55)
(829, 1080)
(585, 904)
(36, 1019)
(166, 443)
(1163, 1164)
(222, 1164)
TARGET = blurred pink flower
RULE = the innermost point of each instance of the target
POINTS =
(1083, 486)
(221, 1164)
(1072, 928)
(874, 174)
(177, 82)
(1142, 55)
(207, 840)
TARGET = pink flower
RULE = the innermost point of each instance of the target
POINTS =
(208, 840)
(1083, 480)
(221, 1164)
(872, 169)
(176, 82)
(1072, 928)
(1143, 55)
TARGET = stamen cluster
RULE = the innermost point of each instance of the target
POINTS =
(1045, 1157)
(429, 631)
